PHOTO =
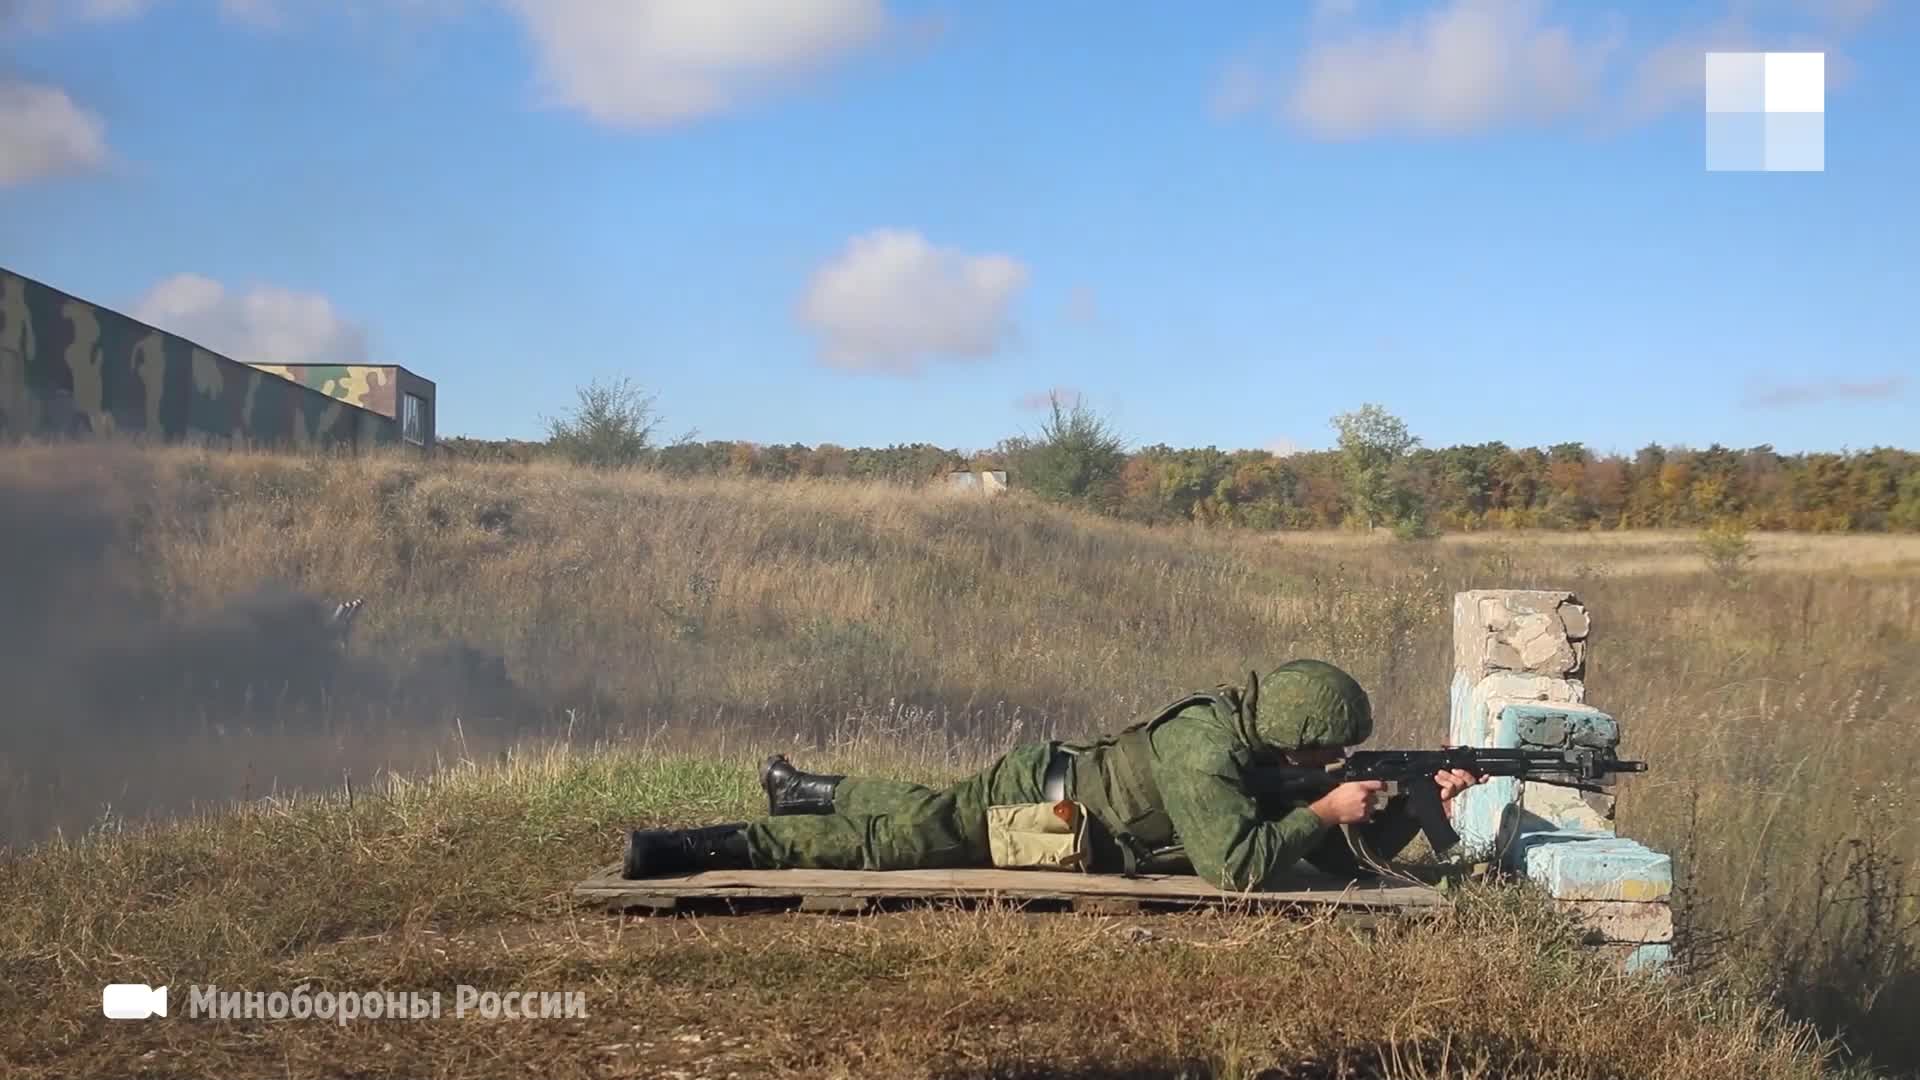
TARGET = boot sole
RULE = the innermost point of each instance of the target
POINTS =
(632, 867)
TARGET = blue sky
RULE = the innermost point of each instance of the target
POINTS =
(863, 222)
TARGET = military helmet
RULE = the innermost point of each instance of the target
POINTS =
(1311, 703)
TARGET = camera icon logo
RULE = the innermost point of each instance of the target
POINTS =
(133, 1001)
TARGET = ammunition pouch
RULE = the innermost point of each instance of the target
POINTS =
(1039, 836)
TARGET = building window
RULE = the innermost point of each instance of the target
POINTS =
(413, 419)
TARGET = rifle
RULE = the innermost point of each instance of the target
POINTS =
(1410, 773)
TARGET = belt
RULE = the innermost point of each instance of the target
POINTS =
(1053, 787)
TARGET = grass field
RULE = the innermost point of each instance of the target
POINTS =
(668, 633)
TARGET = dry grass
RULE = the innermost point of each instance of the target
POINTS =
(461, 880)
(1676, 552)
(930, 629)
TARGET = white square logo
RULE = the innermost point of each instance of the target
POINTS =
(1766, 112)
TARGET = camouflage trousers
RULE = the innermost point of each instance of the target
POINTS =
(893, 825)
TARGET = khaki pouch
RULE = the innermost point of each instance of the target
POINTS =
(1038, 836)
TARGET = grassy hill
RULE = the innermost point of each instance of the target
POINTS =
(644, 640)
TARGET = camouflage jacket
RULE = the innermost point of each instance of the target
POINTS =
(1171, 786)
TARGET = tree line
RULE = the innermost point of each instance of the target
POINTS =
(1377, 476)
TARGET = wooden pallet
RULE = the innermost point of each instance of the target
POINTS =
(852, 891)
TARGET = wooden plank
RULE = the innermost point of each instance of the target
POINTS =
(1106, 905)
(838, 905)
(1015, 885)
(664, 905)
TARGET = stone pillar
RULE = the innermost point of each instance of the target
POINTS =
(1519, 660)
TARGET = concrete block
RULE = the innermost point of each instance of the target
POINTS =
(1636, 959)
(1478, 701)
(1651, 959)
(1479, 704)
(1568, 808)
(1515, 687)
(1611, 921)
(1518, 630)
(1486, 815)
(1540, 639)
(1554, 726)
(1493, 613)
(1593, 866)
(1518, 681)
(1485, 609)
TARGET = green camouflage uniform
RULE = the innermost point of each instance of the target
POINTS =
(893, 825)
(1164, 791)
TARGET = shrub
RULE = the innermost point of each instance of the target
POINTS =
(1727, 550)
(612, 427)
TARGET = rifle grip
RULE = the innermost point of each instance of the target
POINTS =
(1423, 795)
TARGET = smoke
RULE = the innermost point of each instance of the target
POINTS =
(263, 651)
(62, 582)
(119, 700)
(90, 645)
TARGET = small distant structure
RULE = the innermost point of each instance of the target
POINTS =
(992, 482)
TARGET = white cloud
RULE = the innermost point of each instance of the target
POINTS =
(264, 325)
(890, 301)
(640, 64)
(1463, 67)
(654, 63)
(43, 133)
(1673, 73)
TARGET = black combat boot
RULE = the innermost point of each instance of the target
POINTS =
(790, 791)
(656, 852)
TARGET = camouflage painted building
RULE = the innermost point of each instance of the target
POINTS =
(388, 389)
(70, 367)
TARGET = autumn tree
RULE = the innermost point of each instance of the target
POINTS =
(1905, 514)
(1378, 475)
(1372, 442)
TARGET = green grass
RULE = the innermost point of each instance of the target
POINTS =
(707, 622)
(462, 879)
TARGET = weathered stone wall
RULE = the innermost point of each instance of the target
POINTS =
(1519, 682)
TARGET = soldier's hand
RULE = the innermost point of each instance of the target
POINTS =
(1349, 804)
(1453, 781)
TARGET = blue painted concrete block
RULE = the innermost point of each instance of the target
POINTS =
(1556, 727)
(1594, 866)
(1648, 958)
